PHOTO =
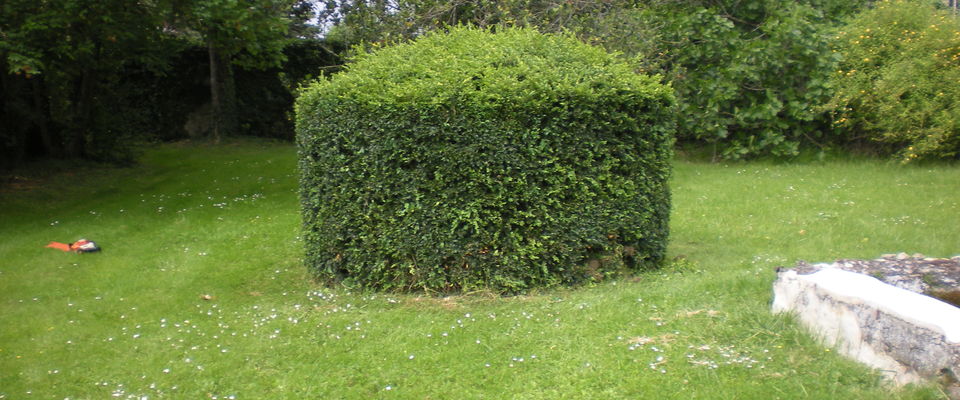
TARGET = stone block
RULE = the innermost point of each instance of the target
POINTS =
(907, 336)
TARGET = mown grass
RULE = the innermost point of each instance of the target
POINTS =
(190, 221)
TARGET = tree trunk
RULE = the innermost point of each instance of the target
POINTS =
(73, 134)
(25, 129)
(214, 91)
(231, 123)
(12, 143)
(223, 95)
(40, 117)
(80, 134)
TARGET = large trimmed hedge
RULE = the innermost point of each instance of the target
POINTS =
(472, 160)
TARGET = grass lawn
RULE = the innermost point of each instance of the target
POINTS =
(222, 222)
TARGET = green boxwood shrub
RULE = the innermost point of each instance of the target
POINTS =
(472, 160)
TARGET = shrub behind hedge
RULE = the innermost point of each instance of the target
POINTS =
(899, 82)
(477, 160)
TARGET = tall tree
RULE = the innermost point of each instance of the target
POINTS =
(57, 56)
(355, 21)
(62, 64)
(247, 33)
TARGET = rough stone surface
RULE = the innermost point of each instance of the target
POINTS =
(936, 277)
(891, 326)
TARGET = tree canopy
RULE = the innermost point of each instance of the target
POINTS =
(90, 79)
(67, 65)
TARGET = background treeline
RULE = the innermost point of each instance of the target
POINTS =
(759, 78)
(95, 79)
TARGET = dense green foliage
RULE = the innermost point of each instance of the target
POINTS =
(251, 33)
(899, 83)
(753, 78)
(93, 80)
(750, 76)
(59, 64)
(477, 160)
(160, 107)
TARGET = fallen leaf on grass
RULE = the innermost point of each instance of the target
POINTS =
(662, 339)
(712, 313)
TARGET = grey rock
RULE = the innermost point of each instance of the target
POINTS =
(888, 325)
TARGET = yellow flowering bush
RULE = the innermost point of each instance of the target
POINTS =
(899, 82)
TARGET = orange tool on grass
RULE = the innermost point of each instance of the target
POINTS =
(80, 246)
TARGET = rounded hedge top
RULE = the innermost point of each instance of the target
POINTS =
(514, 66)
(477, 160)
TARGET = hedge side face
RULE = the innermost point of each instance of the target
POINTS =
(480, 161)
